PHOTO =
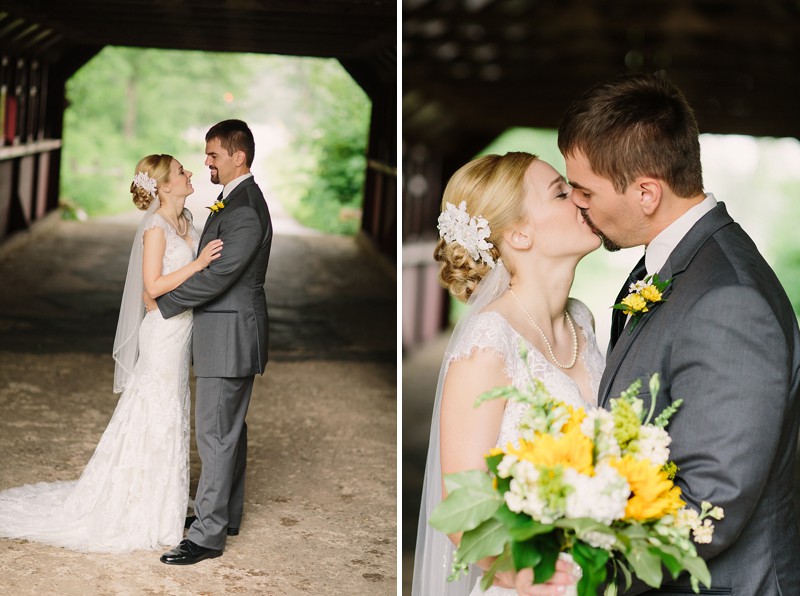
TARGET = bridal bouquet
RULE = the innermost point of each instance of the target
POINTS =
(597, 485)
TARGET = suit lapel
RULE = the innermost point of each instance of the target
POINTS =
(234, 193)
(678, 261)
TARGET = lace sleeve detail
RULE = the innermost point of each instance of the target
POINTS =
(156, 221)
(489, 331)
(581, 314)
(591, 355)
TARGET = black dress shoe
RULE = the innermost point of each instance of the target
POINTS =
(190, 520)
(189, 553)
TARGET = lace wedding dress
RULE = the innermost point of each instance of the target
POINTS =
(490, 331)
(480, 328)
(134, 491)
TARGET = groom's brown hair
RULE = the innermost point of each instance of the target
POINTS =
(636, 125)
(234, 135)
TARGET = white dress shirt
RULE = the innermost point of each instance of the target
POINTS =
(659, 249)
(228, 188)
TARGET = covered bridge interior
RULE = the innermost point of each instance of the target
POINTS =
(43, 42)
(473, 68)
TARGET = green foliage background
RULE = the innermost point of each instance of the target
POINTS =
(128, 102)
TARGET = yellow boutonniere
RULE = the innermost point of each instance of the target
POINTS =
(217, 206)
(644, 294)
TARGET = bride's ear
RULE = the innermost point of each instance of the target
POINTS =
(519, 237)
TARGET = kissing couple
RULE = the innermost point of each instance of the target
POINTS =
(723, 337)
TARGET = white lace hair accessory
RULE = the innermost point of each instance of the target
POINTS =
(144, 181)
(456, 225)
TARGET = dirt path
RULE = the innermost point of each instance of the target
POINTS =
(320, 514)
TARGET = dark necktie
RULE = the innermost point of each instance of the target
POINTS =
(618, 317)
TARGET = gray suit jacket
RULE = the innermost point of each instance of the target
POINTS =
(725, 341)
(231, 325)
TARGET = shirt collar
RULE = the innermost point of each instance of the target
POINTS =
(228, 188)
(659, 249)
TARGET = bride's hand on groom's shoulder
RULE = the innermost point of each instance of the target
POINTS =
(210, 252)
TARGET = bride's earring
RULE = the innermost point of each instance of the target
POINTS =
(519, 238)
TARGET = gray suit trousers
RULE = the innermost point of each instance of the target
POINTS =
(221, 432)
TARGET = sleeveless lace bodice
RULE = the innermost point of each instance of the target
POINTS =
(133, 492)
(177, 253)
(491, 331)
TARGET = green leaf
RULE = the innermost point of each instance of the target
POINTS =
(473, 479)
(464, 509)
(524, 527)
(509, 393)
(646, 565)
(662, 419)
(581, 525)
(593, 562)
(526, 554)
(698, 569)
(549, 548)
(501, 563)
(511, 520)
(492, 461)
(672, 558)
(627, 573)
(487, 540)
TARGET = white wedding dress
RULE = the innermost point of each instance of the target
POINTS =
(134, 491)
(481, 328)
(490, 331)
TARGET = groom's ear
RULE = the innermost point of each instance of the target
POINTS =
(238, 158)
(649, 192)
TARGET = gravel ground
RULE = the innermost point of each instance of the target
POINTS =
(320, 513)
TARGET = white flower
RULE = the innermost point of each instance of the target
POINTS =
(514, 500)
(717, 513)
(704, 532)
(601, 422)
(456, 225)
(599, 540)
(505, 465)
(637, 286)
(524, 494)
(601, 497)
(538, 420)
(687, 518)
(145, 182)
(653, 444)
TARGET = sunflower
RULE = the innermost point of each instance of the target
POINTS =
(576, 416)
(572, 449)
(653, 494)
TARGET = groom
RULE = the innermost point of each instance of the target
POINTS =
(724, 339)
(229, 343)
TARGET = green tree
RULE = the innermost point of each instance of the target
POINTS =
(320, 175)
(126, 103)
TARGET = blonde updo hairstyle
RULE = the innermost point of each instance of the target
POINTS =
(493, 187)
(157, 167)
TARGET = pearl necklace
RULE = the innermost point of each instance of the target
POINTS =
(544, 337)
(175, 226)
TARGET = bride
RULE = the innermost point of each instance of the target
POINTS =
(134, 491)
(511, 239)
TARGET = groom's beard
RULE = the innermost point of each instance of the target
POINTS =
(608, 244)
(214, 176)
